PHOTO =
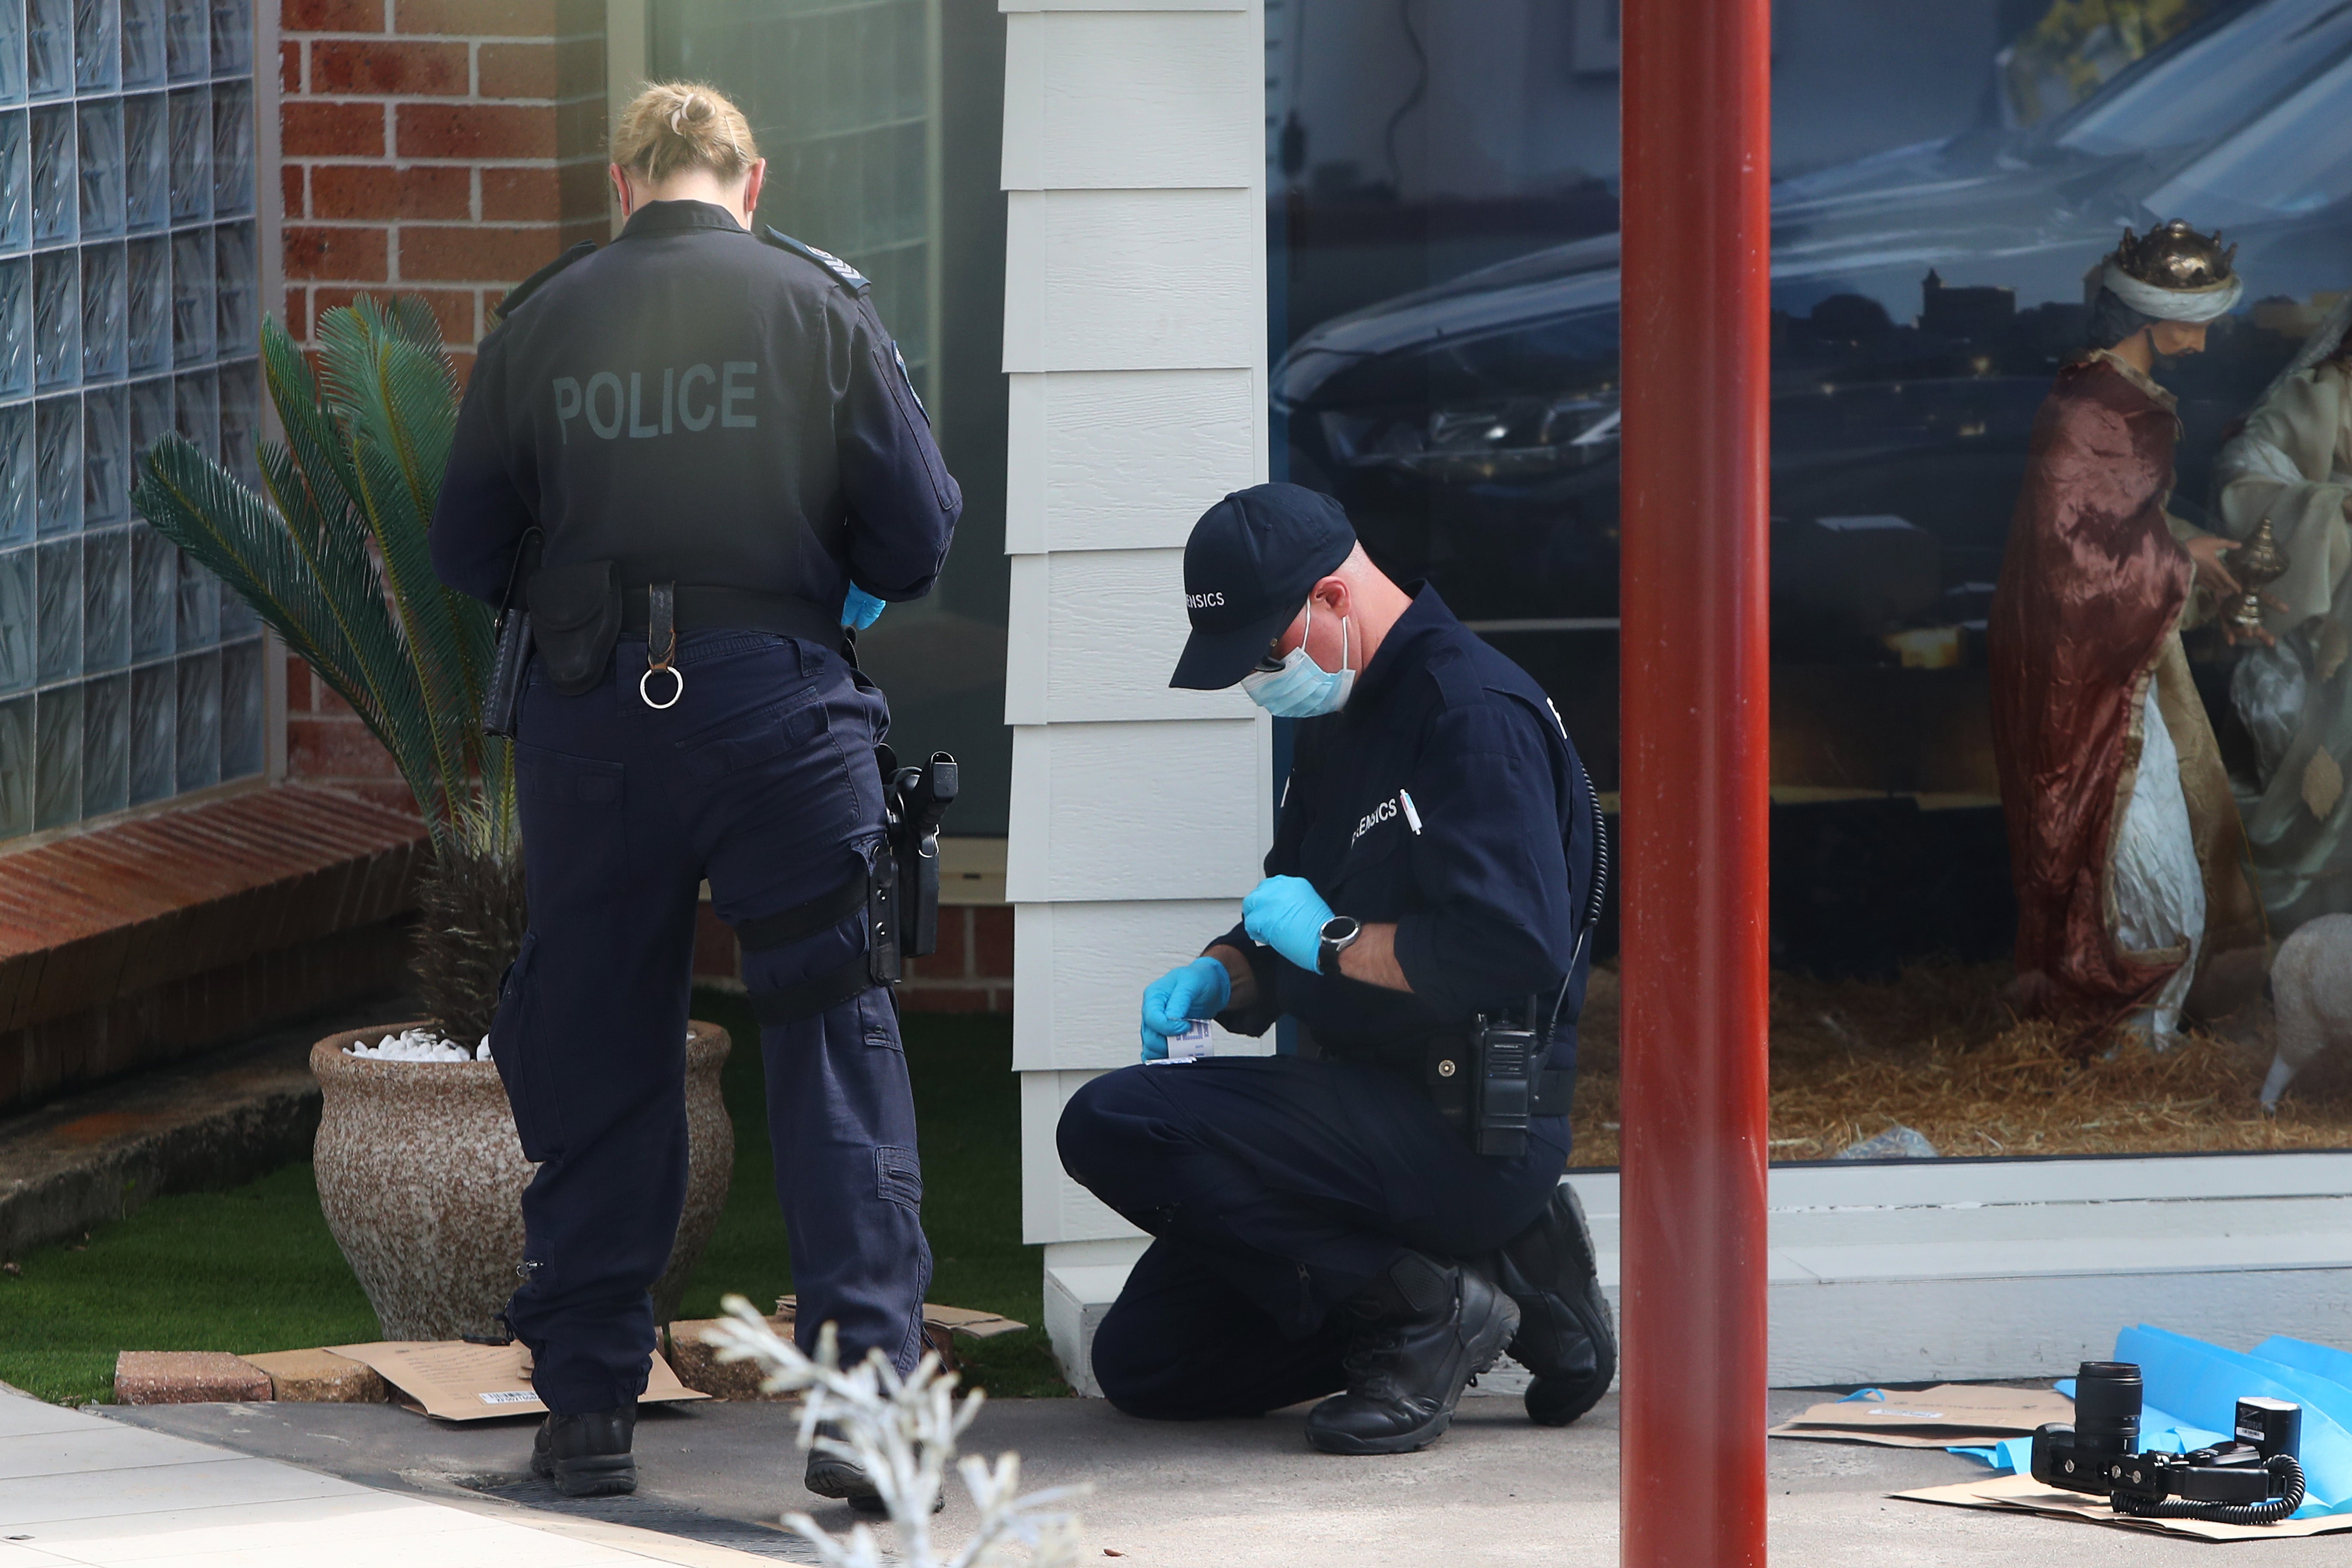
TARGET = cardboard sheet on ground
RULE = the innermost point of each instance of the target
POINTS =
(457, 1381)
(1941, 1418)
(955, 1319)
(2023, 1494)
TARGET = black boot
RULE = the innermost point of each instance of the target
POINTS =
(838, 1476)
(1424, 1329)
(1566, 1338)
(588, 1456)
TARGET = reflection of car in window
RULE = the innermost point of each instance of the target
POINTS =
(1922, 300)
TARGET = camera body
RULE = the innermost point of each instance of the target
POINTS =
(2100, 1453)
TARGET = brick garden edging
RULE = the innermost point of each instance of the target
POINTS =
(142, 941)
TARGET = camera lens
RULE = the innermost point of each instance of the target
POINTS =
(2106, 1407)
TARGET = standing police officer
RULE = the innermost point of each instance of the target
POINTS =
(701, 449)
(1324, 1221)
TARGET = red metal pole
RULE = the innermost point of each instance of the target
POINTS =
(1697, 254)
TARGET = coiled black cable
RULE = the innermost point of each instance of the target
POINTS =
(2269, 1512)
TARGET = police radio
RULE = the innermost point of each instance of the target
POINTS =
(1508, 1082)
(1506, 1055)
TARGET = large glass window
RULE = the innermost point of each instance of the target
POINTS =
(128, 300)
(881, 122)
(1443, 185)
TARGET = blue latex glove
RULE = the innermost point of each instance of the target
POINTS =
(860, 608)
(1288, 915)
(1199, 990)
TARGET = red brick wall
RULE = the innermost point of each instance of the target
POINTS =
(971, 973)
(446, 148)
(972, 970)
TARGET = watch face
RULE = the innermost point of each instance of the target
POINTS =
(1339, 928)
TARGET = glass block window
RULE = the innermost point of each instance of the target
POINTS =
(843, 98)
(129, 306)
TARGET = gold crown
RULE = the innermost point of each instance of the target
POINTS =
(2175, 256)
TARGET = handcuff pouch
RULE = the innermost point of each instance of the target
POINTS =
(575, 618)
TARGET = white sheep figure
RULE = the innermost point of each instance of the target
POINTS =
(2311, 983)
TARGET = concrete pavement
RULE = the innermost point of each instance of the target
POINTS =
(78, 1491)
(1495, 1493)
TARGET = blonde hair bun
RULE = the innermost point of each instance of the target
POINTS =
(674, 126)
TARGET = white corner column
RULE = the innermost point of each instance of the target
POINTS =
(1135, 331)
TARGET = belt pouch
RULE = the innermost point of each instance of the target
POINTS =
(575, 618)
(1447, 1073)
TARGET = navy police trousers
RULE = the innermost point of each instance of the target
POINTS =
(762, 779)
(1275, 1187)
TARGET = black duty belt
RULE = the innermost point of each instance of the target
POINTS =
(702, 607)
(1426, 1061)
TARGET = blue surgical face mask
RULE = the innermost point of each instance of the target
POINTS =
(1302, 689)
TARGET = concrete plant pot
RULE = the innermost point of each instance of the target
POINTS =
(421, 1177)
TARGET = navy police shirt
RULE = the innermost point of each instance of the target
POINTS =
(700, 404)
(1445, 797)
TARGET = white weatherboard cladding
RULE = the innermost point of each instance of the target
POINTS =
(1125, 279)
(1135, 337)
(1940, 1271)
(1151, 810)
(1053, 1206)
(1090, 961)
(1170, 99)
(1114, 624)
(1127, 460)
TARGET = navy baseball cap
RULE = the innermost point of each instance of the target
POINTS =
(1248, 567)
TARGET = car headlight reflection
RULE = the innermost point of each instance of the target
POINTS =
(1506, 439)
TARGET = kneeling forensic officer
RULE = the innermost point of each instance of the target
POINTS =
(1327, 1221)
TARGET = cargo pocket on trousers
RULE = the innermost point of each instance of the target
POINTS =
(522, 1061)
(899, 1176)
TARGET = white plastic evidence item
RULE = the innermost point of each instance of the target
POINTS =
(1191, 1045)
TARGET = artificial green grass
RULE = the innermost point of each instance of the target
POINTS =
(254, 1268)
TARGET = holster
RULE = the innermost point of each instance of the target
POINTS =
(874, 889)
(899, 888)
(502, 703)
(575, 618)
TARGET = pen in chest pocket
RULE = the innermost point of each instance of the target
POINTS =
(1411, 816)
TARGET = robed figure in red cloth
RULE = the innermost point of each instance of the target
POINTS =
(2124, 843)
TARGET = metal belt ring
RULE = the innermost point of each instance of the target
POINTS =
(677, 691)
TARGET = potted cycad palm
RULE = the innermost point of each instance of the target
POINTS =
(420, 1173)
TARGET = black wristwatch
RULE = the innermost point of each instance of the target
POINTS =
(1339, 933)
